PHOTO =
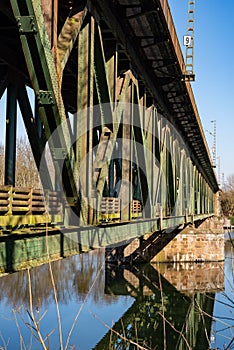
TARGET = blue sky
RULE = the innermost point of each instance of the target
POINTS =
(214, 69)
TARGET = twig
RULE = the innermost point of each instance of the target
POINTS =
(119, 335)
(48, 335)
(164, 324)
(54, 288)
(229, 345)
(203, 321)
(135, 331)
(231, 240)
(229, 299)
(18, 328)
(81, 307)
(42, 316)
(215, 318)
(110, 338)
(32, 313)
(189, 348)
(28, 325)
(3, 341)
(229, 282)
(124, 334)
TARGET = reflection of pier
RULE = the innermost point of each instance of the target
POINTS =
(228, 228)
(169, 305)
(227, 225)
(186, 278)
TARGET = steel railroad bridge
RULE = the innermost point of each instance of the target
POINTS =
(111, 101)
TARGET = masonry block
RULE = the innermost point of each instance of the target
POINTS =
(193, 245)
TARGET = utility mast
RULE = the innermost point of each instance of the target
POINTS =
(189, 43)
(214, 144)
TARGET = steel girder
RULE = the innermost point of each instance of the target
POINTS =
(94, 62)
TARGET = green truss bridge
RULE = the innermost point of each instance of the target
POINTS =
(113, 123)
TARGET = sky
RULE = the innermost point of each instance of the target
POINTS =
(214, 69)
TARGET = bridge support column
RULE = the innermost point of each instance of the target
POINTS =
(190, 244)
(140, 250)
(11, 123)
(193, 245)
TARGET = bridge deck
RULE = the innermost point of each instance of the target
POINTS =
(141, 154)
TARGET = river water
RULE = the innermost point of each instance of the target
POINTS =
(161, 306)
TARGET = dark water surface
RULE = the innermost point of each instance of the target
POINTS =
(166, 306)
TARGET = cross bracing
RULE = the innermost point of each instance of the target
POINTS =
(108, 82)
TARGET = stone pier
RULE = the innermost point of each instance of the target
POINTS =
(193, 245)
(201, 242)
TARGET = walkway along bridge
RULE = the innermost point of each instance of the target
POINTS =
(128, 151)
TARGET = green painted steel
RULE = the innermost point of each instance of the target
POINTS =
(139, 133)
(68, 35)
(11, 123)
(43, 75)
(34, 129)
(101, 77)
(22, 250)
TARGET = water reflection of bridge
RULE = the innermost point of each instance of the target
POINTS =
(166, 296)
(165, 315)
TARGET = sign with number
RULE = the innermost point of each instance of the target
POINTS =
(187, 40)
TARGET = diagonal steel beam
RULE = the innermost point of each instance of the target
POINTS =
(101, 78)
(142, 158)
(68, 36)
(3, 84)
(104, 154)
(41, 67)
(36, 142)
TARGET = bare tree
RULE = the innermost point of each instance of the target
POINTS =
(227, 197)
(26, 170)
(229, 186)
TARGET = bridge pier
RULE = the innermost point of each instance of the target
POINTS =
(200, 242)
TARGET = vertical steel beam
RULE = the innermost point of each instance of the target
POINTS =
(147, 123)
(50, 13)
(83, 121)
(108, 137)
(126, 184)
(111, 175)
(38, 122)
(157, 161)
(101, 78)
(111, 71)
(68, 36)
(10, 143)
(163, 169)
(142, 155)
(169, 174)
